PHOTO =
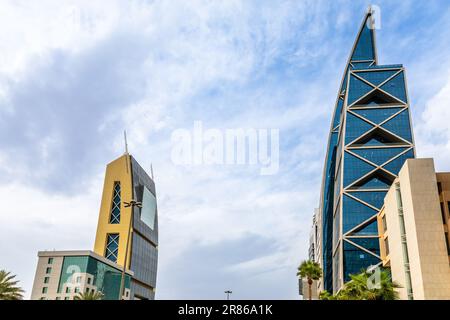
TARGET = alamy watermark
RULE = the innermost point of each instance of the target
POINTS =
(238, 146)
(374, 280)
(375, 21)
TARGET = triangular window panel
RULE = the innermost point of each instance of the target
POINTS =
(357, 89)
(378, 137)
(396, 87)
(378, 180)
(374, 198)
(378, 155)
(364, 49)
(354, 213)
(370, 244)
(354, 168)
(367, 230)
(377, 115)
(375, 99)
(361, 65)
(396, 165)
(399, 125)
(376, 77)
(355, 127)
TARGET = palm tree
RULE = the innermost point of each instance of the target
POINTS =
(311, 271)
(8, 287)
(387, 287)
(355, 289)
(325, 295)
(358, 289)
(91, 295)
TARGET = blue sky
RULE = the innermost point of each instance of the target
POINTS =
(73, 76)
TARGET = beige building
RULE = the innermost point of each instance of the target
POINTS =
(413, 226)
(62, 275)
(304, 289)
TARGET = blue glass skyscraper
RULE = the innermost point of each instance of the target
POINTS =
(370, 139)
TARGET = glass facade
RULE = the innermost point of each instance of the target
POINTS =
(106, 279)
(148, 212)
(144, 253)
(115, 206)
(112, 247)
(372, 122)
(378, 156)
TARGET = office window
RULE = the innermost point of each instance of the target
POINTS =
(448, 207)
(444, 221)
(77, 290)
(112, 247)
(67, 298)
(48, 270)
(67, 289)
(114, 218)
(78, 279)
(46, 279)
(50, 261)
(44, 290)
(386, 246)
(446, 242)
(148, 211)
(58, 298)
(88, 280)
(384, 223)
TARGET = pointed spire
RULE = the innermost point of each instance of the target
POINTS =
(364, 48)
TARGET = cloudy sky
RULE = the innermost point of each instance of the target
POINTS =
(75, 74)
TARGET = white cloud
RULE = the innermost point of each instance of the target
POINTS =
(31, 28)
(173, 53)
(432, 132)
(73, 75)
(32, 220)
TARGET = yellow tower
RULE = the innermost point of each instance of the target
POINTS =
(114, 218)
(128, 235)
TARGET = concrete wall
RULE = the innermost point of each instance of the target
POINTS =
(425, 234)
(52, 286)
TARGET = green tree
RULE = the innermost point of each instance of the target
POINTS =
(325, 295)
(8, 287)
(311, 271)
(89, 296)
(358, 288)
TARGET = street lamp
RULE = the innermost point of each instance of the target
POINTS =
(228, 292)
(133, 203)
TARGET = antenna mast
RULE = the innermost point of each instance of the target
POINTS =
(126, 142)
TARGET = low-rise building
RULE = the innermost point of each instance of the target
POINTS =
(304, 289)
(62, 275)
